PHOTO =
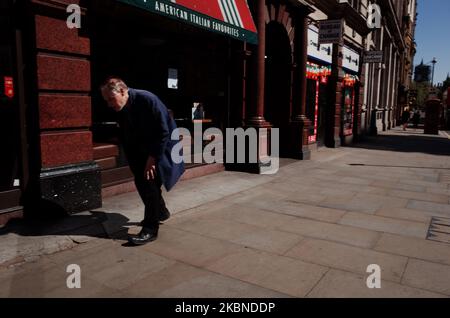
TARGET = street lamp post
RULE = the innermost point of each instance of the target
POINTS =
(432, 76)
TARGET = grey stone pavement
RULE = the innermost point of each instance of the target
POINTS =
(310, 230)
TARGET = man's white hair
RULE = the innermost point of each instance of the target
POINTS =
(114, 84)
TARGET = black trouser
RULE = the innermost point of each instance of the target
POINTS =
(150, 193)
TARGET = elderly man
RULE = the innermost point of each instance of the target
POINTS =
(146, 129)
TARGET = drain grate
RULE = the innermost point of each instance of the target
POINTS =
(439, 230)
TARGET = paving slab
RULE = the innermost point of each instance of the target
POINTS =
(185, 281)
(348, 258)
(415, 248)
(333, 232)
(242, 213)
(279, 273)
(385, 224)
(428, 276)
(398, 186)
(292, 207)
(438, 208)
(422, 196)
(240, 233)
(406, 214)
(340, 284)
(190, 248)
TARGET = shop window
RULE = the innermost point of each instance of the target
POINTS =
(348, 105)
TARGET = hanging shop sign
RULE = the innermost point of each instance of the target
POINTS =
(330, 31)
(321, 52)
(229, 17)
(350, 80)
(351, 59)
(9, 86)
(373, 57)
(317, 72)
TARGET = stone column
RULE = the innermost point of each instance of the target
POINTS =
(67, 176)
(388, 90)
(377, 82)
(359, 100)
(300, 124)
(394, 96)
(334, 95)
(256, 117)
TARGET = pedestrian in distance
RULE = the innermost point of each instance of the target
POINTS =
(146, 128)
(416, 119)
(405, 117)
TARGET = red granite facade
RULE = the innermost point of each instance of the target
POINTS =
(61, 72)
(63, 87)
(62, 148)
(54, 35)
(58, 111)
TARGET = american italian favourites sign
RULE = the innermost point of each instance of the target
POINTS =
(228, 17)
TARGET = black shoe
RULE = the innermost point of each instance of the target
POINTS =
(144, 237)
(164, 217)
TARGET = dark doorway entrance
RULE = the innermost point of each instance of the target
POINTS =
(278, 82)
(10, 134)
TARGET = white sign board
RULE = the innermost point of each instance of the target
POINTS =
(373, 56)
(330, 31)
(322, 52)
(172, 81)
(351, 59)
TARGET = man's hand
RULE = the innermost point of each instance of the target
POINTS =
(150, 169)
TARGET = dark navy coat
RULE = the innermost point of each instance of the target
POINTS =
(146, 131)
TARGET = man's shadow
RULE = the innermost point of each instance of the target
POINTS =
(49, 218)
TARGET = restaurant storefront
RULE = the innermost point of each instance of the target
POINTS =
(189, 53)
(190, 59)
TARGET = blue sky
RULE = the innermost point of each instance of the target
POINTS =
(433, 35)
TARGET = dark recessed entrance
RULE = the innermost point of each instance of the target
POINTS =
(278, 81)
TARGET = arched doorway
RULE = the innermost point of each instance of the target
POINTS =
(278, 81)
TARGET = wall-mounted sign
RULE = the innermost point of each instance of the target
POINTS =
(9, 86)
(322, 52)
(351, 59)
(373, 56)
(232, 18)
(330, 31)
(172, 81)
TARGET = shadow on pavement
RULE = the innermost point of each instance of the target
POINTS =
(97, 224)
(406, 143)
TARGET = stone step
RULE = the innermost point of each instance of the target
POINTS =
(102, 150)
(107, 163)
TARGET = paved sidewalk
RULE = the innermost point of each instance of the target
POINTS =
(309, 231)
